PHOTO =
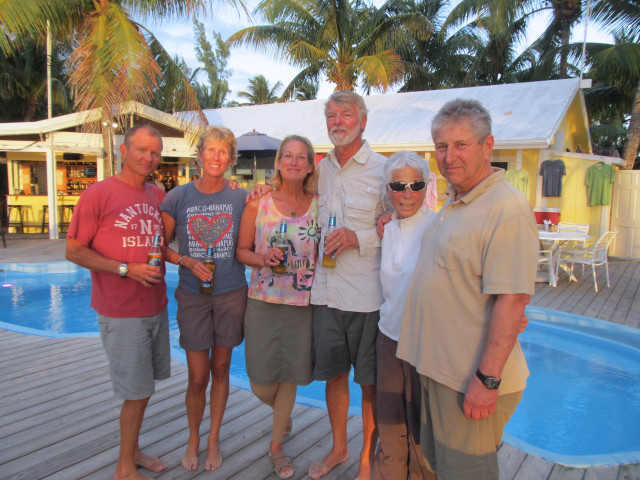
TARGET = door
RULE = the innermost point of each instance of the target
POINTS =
(625, 214)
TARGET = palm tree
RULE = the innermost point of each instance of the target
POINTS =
(23, 83)
(348, 41)
(112, 61)
(307, 91)
(504, 18)
(260, 92)
(442, 60)
(622, 16)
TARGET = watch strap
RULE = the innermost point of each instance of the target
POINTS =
(492, 383)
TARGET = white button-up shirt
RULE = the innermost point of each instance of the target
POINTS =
(354, 194)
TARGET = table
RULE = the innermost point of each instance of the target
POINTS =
(558, 239)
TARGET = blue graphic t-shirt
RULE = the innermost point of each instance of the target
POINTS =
(203, 218)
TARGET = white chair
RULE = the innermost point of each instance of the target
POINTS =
(594, 254)
(545, 257)
(573, 227)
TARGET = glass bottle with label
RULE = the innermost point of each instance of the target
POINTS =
(206, 288)
(281, 243)
(154, 257)
(329, 261)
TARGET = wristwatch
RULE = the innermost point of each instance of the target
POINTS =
(123, 269)
(492, 383)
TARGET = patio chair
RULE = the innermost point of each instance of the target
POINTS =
(594, 254)
(573, 227)
(545, 258)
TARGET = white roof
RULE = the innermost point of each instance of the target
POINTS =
(75, 119)
(525, 115)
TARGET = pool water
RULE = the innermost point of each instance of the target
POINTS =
(581, 406)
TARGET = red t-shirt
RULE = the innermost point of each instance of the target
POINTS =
(117, 220)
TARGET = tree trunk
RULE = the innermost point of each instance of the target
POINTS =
(564, 54)
(107, 147)
(633, 134)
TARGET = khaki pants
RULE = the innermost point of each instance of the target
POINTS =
(455, 447)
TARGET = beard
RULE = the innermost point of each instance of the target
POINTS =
(341, 137)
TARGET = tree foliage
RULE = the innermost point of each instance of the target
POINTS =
(260, 92)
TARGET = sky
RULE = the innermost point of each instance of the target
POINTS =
(177, 37)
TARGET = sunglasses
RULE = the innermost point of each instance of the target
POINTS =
(398, 187)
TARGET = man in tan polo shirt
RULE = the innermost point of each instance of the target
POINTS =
(476, 272)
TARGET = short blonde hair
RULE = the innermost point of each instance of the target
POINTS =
(215, 133)
(310, 184)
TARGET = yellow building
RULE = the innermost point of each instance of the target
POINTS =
(532, 122)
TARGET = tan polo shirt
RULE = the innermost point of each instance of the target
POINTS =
(354, 194)
(477, 247)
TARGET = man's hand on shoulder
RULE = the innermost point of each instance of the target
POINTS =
(147, 275)
(382, 221)
(258, 191)
(233, 185)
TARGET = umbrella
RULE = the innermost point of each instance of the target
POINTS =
(255, 145)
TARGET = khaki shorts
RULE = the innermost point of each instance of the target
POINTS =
(342, 339)
(206, 321)
(139, 353)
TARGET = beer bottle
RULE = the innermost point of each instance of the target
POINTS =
(329, 261)
(154, 257)
(206, 288)
(281, 243)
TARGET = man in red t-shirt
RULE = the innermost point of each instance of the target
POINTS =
(111, 234)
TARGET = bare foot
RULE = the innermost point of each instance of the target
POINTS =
(133, 475)
(214, 458)
(320, 469)
(190, 458)
(150, 463)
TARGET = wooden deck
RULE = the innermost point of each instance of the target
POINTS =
(59, 419)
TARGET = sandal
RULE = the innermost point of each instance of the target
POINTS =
(280, 461)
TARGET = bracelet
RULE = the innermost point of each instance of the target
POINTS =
(180, 261)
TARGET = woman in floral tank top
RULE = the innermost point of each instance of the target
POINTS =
(278, 316)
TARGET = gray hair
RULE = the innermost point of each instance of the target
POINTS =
(347, 96)
(213, 133)
(397, 162)
(403, 159)
(459, 110)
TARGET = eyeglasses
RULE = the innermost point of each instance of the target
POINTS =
(398, 187)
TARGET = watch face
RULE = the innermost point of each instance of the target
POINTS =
(491, 383)
(123, 270)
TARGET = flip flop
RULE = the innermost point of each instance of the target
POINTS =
(278, 462)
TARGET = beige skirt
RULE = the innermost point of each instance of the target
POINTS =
(277, 343)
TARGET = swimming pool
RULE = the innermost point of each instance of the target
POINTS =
(581, 406)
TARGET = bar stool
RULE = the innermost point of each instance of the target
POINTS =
(16, 223)
(66, 215)
(45, 217)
